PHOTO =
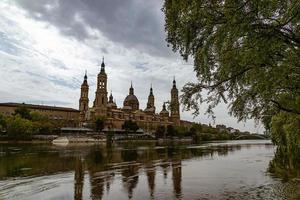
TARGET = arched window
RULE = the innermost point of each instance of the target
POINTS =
(102, 100)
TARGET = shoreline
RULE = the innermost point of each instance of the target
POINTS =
(96, 142)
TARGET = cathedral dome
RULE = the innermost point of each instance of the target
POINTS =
(131, 100)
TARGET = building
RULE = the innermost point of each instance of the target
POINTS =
(106, 108)
(62, 115)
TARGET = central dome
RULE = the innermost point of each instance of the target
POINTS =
(131, 100)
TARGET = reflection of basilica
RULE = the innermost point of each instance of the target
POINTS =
(151, 178)
(176, 177)
(107, 168)
(130, 178)
(79, 178)
(128, 166)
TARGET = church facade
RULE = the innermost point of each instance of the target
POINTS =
(105, 107)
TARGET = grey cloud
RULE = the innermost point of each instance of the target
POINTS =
(72, 84)
(135, 24)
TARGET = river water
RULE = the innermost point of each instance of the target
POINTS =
(219, 170)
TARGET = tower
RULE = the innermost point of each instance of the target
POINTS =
(150, 104)
(111, 98)
(100, 101)
(164, 112)
(83, 101)
(111, 104)
(175, 114)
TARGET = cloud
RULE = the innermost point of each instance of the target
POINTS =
(134, 24)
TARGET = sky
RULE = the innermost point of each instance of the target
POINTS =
(46, 46)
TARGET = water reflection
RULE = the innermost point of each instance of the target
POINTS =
(79, 176)
(135, 171)
(176, 176)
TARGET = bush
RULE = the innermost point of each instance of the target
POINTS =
(2, 122)
(160, 132)
(23, 112)
(99, 124)
(130, 126)
(171, 131)
(19, 128)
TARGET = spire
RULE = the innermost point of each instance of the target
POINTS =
(111, 98)
(85, 75)
(131, 90)
(102, 66)
(85, 79)
(151, 90)
(164, 106)
(174, 82)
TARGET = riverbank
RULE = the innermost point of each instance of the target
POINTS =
(87, 140)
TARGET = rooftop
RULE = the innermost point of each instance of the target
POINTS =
(33, 106)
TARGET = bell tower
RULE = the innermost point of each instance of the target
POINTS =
(100, 102)
(150, 104)
(83, 101)
(175, 114)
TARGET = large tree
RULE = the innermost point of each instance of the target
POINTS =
(245, 52)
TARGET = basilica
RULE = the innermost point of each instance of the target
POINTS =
(105, 107)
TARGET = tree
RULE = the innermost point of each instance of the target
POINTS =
(171, 131)
(245, 53)
(2, 122)
(160, 132)
(23, 112)
(99, 124)
(192, 132)
(130, 126)
(20, 128)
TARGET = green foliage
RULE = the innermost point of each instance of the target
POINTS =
(35, 116)
(109, 138)
(130, 126)
(285, 134)
(20, 128)
(245, 52)
(160, 132)
(2, 122)
(205, 136)
(181, 131)
(197, 127)
(99, 124)
(23, 112)
(171, 131)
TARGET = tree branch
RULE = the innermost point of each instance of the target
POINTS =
(284, 109)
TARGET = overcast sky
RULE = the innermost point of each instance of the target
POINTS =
(46, 45)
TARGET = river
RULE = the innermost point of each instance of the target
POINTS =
(234, 170)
